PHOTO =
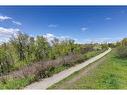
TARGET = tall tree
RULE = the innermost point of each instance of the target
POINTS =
(20, 43)
(42, 48)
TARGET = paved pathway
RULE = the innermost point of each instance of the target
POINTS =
(47, 82)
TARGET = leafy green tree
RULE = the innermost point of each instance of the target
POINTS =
(22, 50)
(5, 59)
(104, 46)
(124, 42)
(20, 44)
(42, 48)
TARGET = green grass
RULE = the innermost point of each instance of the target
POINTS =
(111, 74)
(91, 54)
(16, 84)
(20, 83)
(60, 68)
(56, 70)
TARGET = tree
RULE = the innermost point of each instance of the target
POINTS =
(30, 49)
(124, 42)
(20, 44)
(5, 59)
(42, 48)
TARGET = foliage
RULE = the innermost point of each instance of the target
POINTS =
(22, 50)
(5, 59)
(122, 51)
(25, 55)
(124, 42)
(16, 83)
(109, 74)
(104, 46)
(42, 48)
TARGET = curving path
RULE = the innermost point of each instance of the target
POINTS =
(47, 82)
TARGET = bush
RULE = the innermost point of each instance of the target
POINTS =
(122, 51)
(5, 62)
(16, 83)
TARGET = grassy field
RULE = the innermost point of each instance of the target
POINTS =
(110, 72)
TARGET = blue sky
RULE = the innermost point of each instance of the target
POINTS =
(82, 23)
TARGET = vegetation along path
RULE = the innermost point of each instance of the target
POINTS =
(108, 72)
(47, 82)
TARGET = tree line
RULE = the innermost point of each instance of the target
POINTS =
(22, 50)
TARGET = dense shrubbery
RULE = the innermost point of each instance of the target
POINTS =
(23, 50)
(44, 69)
(5, 60)
(122, 51)
(122, 48)
(26, 56)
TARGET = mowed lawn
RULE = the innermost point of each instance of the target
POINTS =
(110, 72)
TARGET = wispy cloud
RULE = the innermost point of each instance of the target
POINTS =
(16, 22)
(2, 18)
(51, 37)
(102, 40)
(52, 25)
(5, 18)
(7, 32)
(84, 29)
(108, 18)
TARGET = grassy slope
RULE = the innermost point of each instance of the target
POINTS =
(110, 74)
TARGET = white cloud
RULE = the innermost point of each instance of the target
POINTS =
(6, 33)
(51, 37)
(16, 22)
(2, 18)
(3, 39)
(108, 18)
(52, 25)
(102, 40)
(84, 29)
